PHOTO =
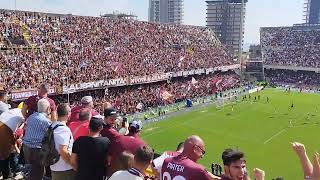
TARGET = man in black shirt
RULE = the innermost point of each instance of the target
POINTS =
(89, 153)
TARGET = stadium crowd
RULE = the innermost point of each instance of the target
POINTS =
(299, 79)
(49, 139)
(85, 49)
(92, 148)
(87, 145)
(288, 46)
(126, 99)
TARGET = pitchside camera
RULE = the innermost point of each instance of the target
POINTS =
(216, 169)
(278, 178)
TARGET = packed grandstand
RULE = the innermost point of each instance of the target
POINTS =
(73, 53)
(291, 55)
(103, 66)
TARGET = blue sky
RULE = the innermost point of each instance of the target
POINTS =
(259, 12)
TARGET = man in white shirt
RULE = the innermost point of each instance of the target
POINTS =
(142, 160)
(62, 170)
(13, 118)
(157, 163)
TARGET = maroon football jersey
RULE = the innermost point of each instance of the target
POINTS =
(182, 168)
(32, 104)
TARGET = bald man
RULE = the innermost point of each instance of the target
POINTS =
(184, 166)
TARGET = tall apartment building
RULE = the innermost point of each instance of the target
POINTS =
(166, 11)
(224, 18)
(312, 11)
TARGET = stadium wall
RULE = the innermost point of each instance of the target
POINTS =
(102, 84)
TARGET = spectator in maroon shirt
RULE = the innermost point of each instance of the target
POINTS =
(30, 105)
(128, 143)
(86, 102)
(110, 116)
(235, 166)
(185, 164)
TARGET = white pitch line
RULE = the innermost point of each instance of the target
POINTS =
(268, 140)
(153, 133)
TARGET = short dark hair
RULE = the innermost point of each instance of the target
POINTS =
(132, 130)
(144, 155)
(95, 124)
(62, 109)
(84, 114)
(44, 87)
(230, 155)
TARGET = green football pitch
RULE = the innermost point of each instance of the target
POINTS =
(262, 130)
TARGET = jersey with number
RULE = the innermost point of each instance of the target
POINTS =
(157, 163)
(182, 168)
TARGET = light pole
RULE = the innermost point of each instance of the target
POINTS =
(67, 83)
(68, 92)
(15, 5)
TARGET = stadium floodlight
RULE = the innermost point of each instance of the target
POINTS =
(15, 5)
(65, 65)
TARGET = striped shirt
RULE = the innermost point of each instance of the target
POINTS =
(36, 128)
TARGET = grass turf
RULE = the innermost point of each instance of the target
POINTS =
(262, 130)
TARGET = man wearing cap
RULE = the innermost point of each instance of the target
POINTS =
(30, 105)
(3, 102)
(110, 117)
(128, 143)
(86, 102)
(134, 129)
(89, 153)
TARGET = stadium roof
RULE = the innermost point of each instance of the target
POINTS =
(229, 1)
(120, 16)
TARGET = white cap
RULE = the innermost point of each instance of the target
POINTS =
(86, 100)
(136, 124)
(98, 116)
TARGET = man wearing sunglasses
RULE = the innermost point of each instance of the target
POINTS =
(184, 166)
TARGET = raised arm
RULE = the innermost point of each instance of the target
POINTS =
(303, 157)
(258, 174)
(316, 167)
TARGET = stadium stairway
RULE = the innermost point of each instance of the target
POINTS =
(15, 20)
(8, 41)
(238, 72)
(26, 32)
(26, 36)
